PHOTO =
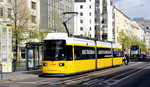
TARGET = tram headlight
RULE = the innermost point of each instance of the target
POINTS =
(44, 64)
(61, 64)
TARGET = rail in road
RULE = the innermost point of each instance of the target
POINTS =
(100, 78)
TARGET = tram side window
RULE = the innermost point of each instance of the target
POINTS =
(77, 54)
(90, 52)
(104, 53)
(117, 53)
(84, 53)
(69, 53)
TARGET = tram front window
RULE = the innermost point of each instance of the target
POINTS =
(54, 50)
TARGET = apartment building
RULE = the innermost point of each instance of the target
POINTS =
(146, 27)
(85, 20)
(122, 23)
(104, 20)
(5, 11)
(27, 10)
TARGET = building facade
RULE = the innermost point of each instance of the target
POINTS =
(85, 20)
(95, 19)
(145, 23)
(104, 20)
(56, 10)
(122, 23)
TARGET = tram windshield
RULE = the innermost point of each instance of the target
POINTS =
(54, 50)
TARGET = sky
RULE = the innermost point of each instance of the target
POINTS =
(134, 8)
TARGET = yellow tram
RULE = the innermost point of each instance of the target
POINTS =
(64, 55)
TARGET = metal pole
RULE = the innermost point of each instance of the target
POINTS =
(34, 59)
(1, 66)
(96, 58)
(112, 53)
(26, 56)
(38, 57)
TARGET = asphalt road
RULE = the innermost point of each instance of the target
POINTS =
(136, 74)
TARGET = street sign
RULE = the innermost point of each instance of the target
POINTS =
(134, 48)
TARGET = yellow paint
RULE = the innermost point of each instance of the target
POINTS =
(4, 65)
(6, 26)
(80, 45)
(91, 46)
(54, 68)
(117, 61)
(104, 62)
(83, 65)
(78, 65)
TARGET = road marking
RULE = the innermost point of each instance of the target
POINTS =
(118, 81)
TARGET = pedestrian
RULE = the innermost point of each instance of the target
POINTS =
(127, 58)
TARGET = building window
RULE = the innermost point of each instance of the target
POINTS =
(81, 13)
(81, 34)
(33, 5)
(90, 35)
(81, 6)
(81, 28)
(81, 21)
(90, 7)
(9, 12)
(90, 13)
(90, 28)
(90, 21)
(33, 19)
(1, 12)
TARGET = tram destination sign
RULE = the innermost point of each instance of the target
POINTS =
(134, 48)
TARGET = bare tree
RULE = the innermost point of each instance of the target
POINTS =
(19, 17)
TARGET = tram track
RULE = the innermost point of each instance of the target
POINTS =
(108, 80)
(100, 78)
(79, 79)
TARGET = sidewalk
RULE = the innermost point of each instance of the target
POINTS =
(20, 75)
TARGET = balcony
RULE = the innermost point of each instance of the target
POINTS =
(104, 3)
(104, 29)
(104, 15)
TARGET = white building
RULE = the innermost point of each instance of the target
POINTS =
(5, 10)
(31, 8)
(85, 20)
(104, 18)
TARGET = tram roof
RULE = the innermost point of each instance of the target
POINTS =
(80, 38)
(65, 35)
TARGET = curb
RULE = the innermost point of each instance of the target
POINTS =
(15, 79)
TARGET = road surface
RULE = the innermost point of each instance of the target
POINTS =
(136, 74)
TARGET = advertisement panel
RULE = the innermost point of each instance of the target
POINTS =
(6, 48)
